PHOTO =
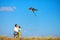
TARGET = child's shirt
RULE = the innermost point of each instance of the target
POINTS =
(19, 30)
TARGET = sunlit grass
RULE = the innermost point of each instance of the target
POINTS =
(30, 38)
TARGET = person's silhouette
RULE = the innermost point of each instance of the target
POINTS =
(16, 31)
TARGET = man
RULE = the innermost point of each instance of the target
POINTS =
(16, 31)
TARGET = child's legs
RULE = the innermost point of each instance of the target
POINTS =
(19, 35)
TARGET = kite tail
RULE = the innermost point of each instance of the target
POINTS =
(34, 14)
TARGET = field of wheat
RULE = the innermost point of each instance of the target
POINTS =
(29, 38)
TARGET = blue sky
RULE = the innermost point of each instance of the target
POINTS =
(46, 23)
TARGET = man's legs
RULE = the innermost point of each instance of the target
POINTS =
(15, 34)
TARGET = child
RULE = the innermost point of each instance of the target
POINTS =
(19, 32)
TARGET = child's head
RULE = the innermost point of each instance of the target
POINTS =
(19, 26)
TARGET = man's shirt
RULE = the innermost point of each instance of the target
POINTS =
(16, 29)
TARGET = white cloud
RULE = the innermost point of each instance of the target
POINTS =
(7, 8)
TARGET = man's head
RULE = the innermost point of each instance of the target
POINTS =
(16, 25)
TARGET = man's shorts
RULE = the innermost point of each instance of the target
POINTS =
(15, 33)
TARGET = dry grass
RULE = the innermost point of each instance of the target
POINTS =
(30, 38)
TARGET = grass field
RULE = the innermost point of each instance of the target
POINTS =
(30, 38)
